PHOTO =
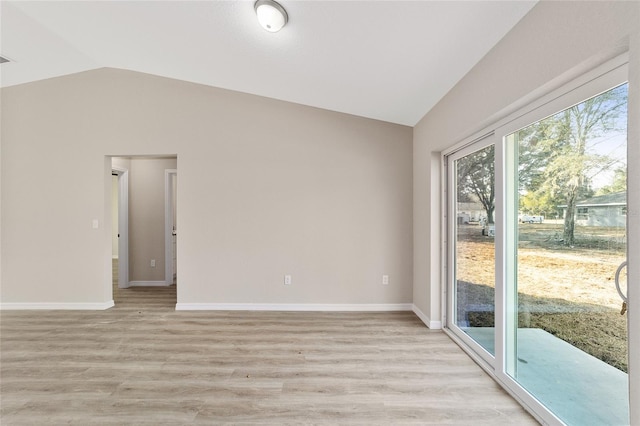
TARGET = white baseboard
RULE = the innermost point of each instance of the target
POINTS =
(319, 307)
(57, 306)
(433, 325)
(148, 283)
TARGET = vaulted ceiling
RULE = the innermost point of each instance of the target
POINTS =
(387, 60)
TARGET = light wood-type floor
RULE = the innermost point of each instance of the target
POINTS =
(142, 362)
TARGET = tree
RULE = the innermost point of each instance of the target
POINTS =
(566, 141)
(540, 203)
(533, 157)
(476, 179)
(618, 184)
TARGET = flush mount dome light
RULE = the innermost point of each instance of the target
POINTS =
(271, 16)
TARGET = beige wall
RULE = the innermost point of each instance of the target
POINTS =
(266, 188)
(146, 218)
(554, 43)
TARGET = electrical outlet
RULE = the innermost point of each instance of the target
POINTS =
(287, 280)
(153, 263)
(385, 280)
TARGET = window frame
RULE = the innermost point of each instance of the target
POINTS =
(478, 144)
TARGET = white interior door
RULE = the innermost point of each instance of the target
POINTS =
(123, 226)
(171, 227)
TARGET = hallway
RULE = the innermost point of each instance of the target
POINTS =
(132, 298)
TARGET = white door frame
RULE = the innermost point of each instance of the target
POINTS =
(123, 226)
(168, 225)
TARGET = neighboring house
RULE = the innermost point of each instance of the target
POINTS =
(470, 212)
(603, 210)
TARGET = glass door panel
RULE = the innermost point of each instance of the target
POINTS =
(569, 345)
(472, 189)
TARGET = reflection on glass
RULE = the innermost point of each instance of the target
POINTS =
(474, 247)
(571, 340)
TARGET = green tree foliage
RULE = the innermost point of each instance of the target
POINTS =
(619, 183)
(534, 151)
(540, 203)
(557, 155)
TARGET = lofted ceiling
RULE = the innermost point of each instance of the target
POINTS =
(387, 60)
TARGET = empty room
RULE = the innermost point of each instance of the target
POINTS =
(319, 212)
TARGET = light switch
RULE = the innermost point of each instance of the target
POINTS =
(95, 224)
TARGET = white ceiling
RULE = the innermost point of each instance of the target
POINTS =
(388, 60)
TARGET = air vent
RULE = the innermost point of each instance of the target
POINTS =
(3, 60)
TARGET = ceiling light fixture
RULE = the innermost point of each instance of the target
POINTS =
(271, 16)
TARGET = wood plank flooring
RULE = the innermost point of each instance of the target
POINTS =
(133, 298)
(142, 362)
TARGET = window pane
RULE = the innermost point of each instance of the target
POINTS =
(571, 344)
(474, 283)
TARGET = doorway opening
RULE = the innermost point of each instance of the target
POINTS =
(144, 231)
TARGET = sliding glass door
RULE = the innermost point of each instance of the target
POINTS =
(537, 242)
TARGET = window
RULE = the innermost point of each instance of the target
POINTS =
(582, 213)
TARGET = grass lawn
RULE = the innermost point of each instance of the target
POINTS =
(566, 291)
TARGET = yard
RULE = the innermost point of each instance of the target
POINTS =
(567, 291)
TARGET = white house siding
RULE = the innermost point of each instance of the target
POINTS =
(603, 216)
